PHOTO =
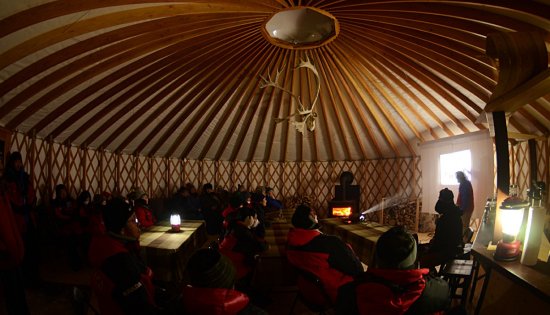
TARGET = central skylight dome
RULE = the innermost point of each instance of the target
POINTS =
(300, 28)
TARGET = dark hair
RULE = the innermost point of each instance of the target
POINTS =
(236, 200)
(396, 248)
(116, 214)
(245, 212)
(302, 218)
(207, 186)
(83, 196)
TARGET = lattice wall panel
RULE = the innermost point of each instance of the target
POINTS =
(274, 178)
(51, 163)
(126, 173)
(324, 185)
(158, 186)
(175, 175)
(291, 179)
(256, 177)
(75, 173)
(223, 177)
(108, 166)
(58, 167)
(241, 172)
(192, 171)
(520, 169)
(208, 172)
(92, 174)
(39, 169)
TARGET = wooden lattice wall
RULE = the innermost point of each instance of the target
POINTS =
(520, 166)
(80, 169)
(51, 163)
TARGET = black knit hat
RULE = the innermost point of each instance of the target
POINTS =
(302, 218)
(207, 268)
(446, 195)
(396, 249)
(116, 214)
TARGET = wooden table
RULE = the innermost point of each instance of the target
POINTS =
(361, 236)
(167, 253)
(510, 287)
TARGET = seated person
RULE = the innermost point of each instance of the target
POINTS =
(143, 212)
(242, 246)
(121, 280)
(212, 278)
(272, 203)
(394, 285)
(211, 209)
(447, 240)
(325, 256)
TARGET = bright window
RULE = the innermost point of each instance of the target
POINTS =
(450, 163)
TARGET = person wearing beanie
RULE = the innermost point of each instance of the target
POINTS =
(447, 240)
(394, 285)
(326, 256)
(121, 281)
(211, 289)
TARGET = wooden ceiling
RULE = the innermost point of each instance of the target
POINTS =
(182, 79)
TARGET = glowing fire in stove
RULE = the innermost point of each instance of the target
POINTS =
(341, 211)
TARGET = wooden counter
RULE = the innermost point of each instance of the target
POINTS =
(510, 287)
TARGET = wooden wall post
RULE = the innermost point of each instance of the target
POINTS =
(503, 167)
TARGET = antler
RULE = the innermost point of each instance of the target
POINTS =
(306, 114)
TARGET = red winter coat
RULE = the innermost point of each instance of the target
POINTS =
(145, 216)
(394, 292)
(102, 248)
(11, 243)
(325, 256)
(213, 301)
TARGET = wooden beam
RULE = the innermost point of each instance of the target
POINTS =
(523, 136)
(512, 100)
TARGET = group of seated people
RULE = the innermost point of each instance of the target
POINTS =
(400, 280)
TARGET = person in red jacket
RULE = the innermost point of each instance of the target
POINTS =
(144, 214)
(12, 251)
(325, 256)
(121, 281)
(212, 277)
(394, 285)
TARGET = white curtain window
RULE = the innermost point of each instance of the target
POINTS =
(480, 147)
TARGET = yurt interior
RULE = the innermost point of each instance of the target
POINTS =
(246, 157)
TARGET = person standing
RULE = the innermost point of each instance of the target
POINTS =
(22, 197)
(12, 251)
(465, 199)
